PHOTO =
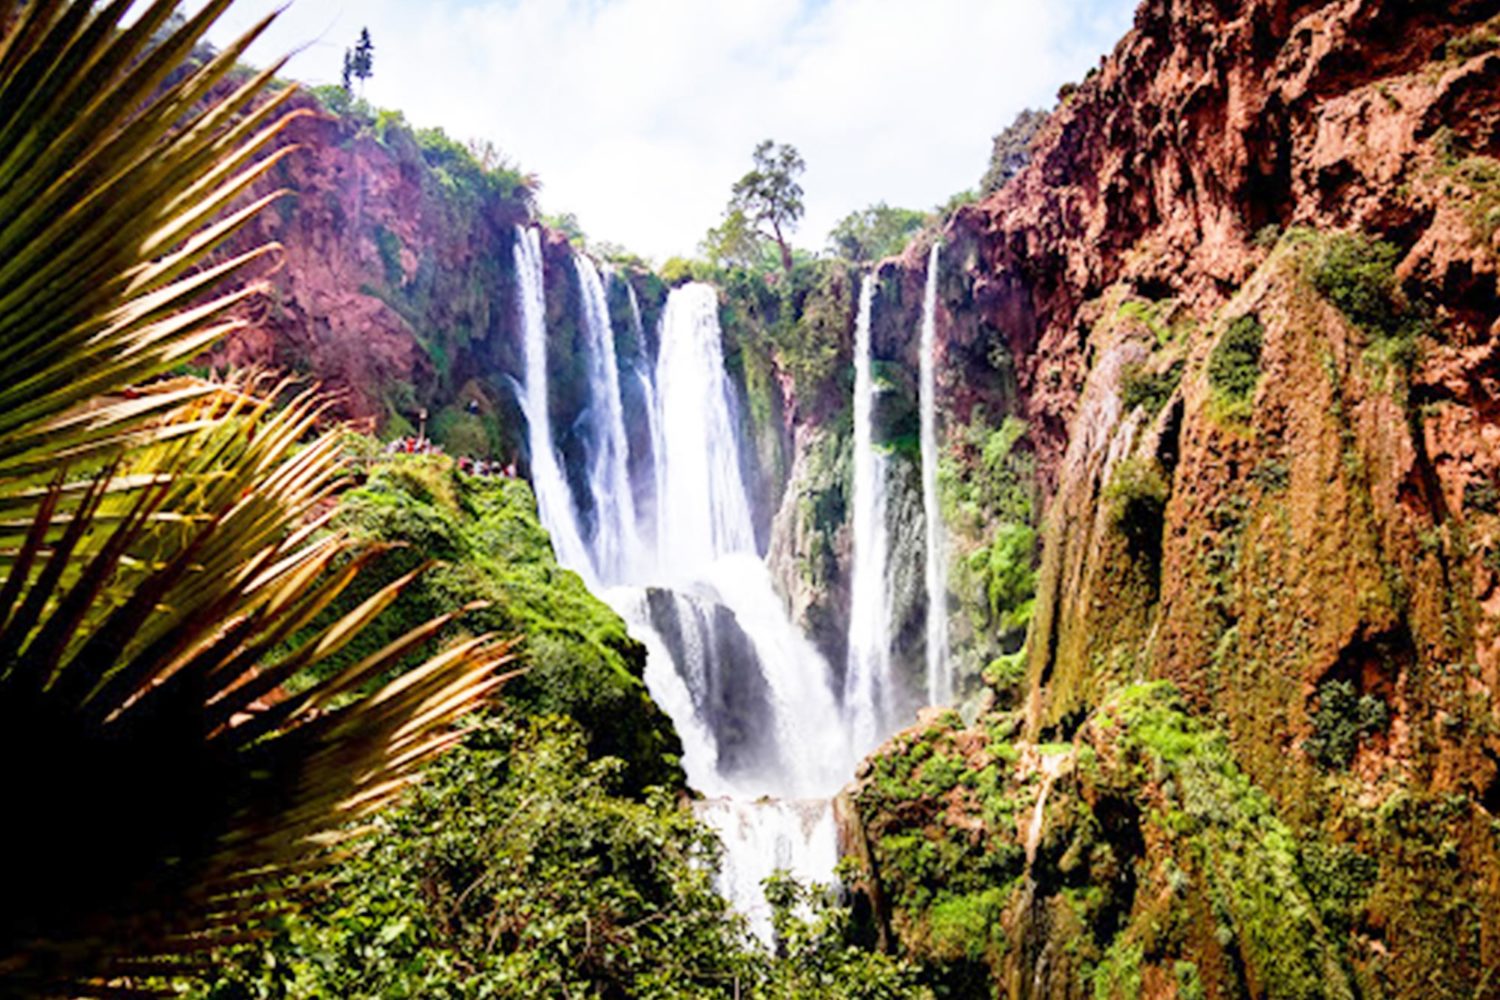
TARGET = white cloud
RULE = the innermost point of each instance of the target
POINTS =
(639, 114)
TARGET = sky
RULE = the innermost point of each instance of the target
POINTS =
(638, 115)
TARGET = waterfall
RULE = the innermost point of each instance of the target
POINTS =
(939, 679)
(867, 694)
(614, 534)
(654, 487)
(763, 736)
(704, 509)
(554, 499)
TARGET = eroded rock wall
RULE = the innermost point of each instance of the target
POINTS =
(1246, 292)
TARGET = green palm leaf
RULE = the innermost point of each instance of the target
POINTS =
(166, 565)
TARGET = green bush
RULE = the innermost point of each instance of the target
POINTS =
(1011, 150)
(1476, 43)
(1006, 569)
(1137, 495)
(517, 869)
(1358, 275)
(1140, 386)
(1234, 364)
(1343, 720)
(582, 663)
(874, 233)
(1482, 496)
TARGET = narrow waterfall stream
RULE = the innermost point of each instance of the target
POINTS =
(939, 677)
(554, 500)
(767, 741)
(867, 695)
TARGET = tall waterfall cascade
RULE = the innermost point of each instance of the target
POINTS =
(613, 536)
(867, 681)
(939, 675)
(765, 736)
(554, 499)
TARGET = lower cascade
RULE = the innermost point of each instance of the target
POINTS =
(767, 739)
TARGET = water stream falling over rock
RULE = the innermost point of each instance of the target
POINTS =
(613, 538)
(867, 682)
(767, 740)
(554, 499)
(939, 676)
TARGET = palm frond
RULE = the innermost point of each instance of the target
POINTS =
(167, 567)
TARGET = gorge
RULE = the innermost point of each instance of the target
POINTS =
(1102, 591)
(768, 738)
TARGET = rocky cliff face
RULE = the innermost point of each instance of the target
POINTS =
(396, 285)
(1244, 301)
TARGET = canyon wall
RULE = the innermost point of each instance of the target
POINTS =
(1218, 386)
(1243, 299)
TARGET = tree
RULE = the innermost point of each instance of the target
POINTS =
(734, 242)
(166, 752)
(1011, 150)
(359, 63)
(769, 197)
(874, 233)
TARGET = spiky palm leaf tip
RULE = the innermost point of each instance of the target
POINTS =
(161, 541)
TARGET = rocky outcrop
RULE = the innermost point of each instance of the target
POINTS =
(1244, 301)
(395, 288)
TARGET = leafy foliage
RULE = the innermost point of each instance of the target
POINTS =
(816, 956)
(1343, 720)
(581, 661)
(519, 868)
(1011, 150)
(161, 542)
(1137, 497)
(988, 483)
(874, 233)
(1148, 389)
(1234, 364)
(735, 243)
(769, 198)
(1358, 275)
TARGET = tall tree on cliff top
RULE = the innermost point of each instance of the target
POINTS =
(359, 62)
(768, 198)
(165, 755)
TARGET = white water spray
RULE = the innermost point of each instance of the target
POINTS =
(763, 734)
(867, 683)
(704, 509)
(939, 677)
(554, 499)
(614, 535)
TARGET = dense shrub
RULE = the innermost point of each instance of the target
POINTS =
(1342, 721)
(1011, 150)
(1234, 364)
(1143, 387)
(517, 869)
(874, 233)
(1358, 275)
(1476, 43)
(581, 661)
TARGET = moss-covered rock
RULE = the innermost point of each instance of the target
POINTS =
(490, 547)
(1135, 858)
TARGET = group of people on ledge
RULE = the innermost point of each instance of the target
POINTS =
(420, 445)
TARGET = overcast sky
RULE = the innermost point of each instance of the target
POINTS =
(638, 115)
